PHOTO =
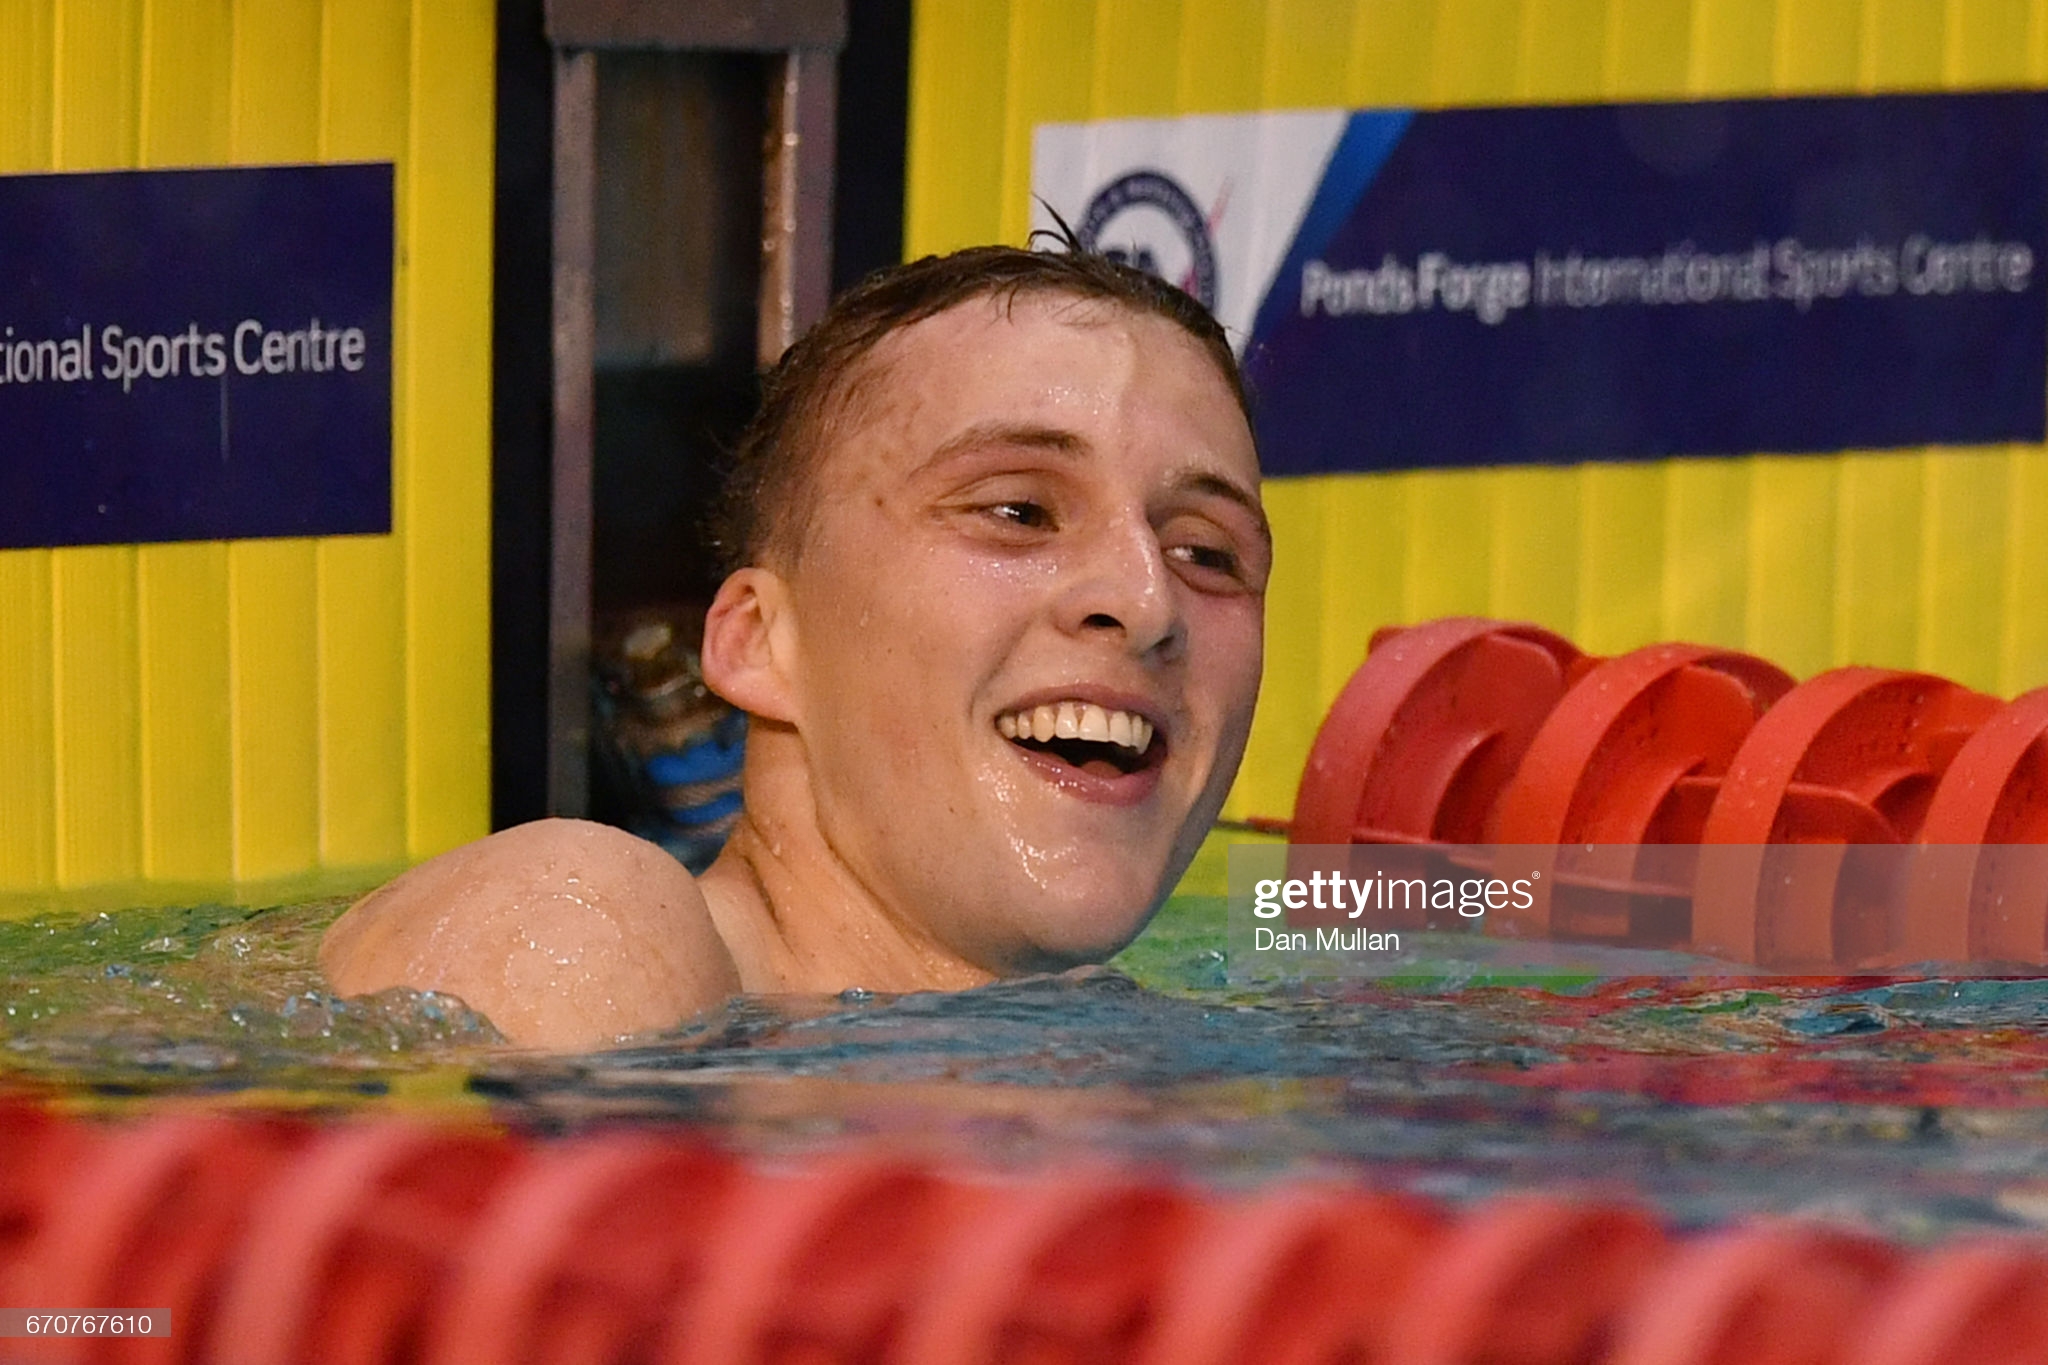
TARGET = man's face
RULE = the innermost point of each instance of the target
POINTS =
(1028, 613)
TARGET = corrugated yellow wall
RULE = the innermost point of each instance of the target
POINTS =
(219, 712)
(1929, 558)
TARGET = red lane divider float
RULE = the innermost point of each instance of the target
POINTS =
(392, 1241)
(1420, 742)
(1683, 786)
(139, 1220)
(822, 1264)
(1525, 1281)
(1852, 757)
(352, 1247)
(1066, 1269)
(1629, 761)
(1303, 1274)
(37, 1156)
(1975, 1303)
(581, 1258)
(1767, 1294)
(1990, 807)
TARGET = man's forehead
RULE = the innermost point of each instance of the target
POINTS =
(994, 358)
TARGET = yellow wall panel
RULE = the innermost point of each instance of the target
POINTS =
(266, 708)
(274, 99)
(1365, 525)
(1904, 43)
(187, 780)
(447, 538)
(187, 55)
(1962, 563)
(182, 590)
(1705, 573)
(1790, 618)
(95, 124)
(957, 104)
(1621, 556)
(1988, 41)
(1446, 571)
(1733, 48)
(1142, 87)
(362, 732)
(1649, 48)
(1301, 57)
(28, 734)
(1222, 56)
(1475, 51)
(1533, 566)
(28, 779)
(2023, 658)
(1819, 44)
(360, 680)
(1877, 557)
(274, 113)
(1052, 49)
(274, 687)
(1390, 45)
(27, 76)
(97, 95)
(1564, 47)
(99, 758)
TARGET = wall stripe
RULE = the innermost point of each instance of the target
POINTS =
(447, 408)
(358, 675)
(1930, 558)
(182, 590)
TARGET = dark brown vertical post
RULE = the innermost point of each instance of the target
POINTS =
(796, 227)
(575, 328)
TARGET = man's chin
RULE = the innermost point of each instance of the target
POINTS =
(1070, 931)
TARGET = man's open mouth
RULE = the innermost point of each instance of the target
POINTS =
(1095, 739)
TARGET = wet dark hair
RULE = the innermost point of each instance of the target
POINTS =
(761, 511)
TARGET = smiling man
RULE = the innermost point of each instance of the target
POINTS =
(996, 618)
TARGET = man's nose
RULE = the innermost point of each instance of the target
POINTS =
(1121, 585)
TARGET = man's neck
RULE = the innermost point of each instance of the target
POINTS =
(791, 911)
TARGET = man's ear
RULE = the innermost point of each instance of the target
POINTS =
(750, 645)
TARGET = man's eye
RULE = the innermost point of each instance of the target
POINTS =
(1211, 557)
(1022, 512)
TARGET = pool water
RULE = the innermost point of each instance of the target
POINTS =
(1914, 1107)
(208, 999)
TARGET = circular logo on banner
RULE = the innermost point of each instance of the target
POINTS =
(1147, 220)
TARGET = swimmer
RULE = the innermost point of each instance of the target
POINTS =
(995, 614)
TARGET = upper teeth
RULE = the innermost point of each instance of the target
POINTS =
(1077, 720)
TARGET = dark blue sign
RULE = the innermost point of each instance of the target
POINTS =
(195, 355)
(1612, 282)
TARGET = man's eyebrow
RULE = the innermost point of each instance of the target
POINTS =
(1215, 485)
(983, 435)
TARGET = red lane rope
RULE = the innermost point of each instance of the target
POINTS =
(279, 1241)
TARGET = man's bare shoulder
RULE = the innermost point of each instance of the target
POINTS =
(564, 933)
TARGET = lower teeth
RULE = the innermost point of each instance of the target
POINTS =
(1087, 755)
